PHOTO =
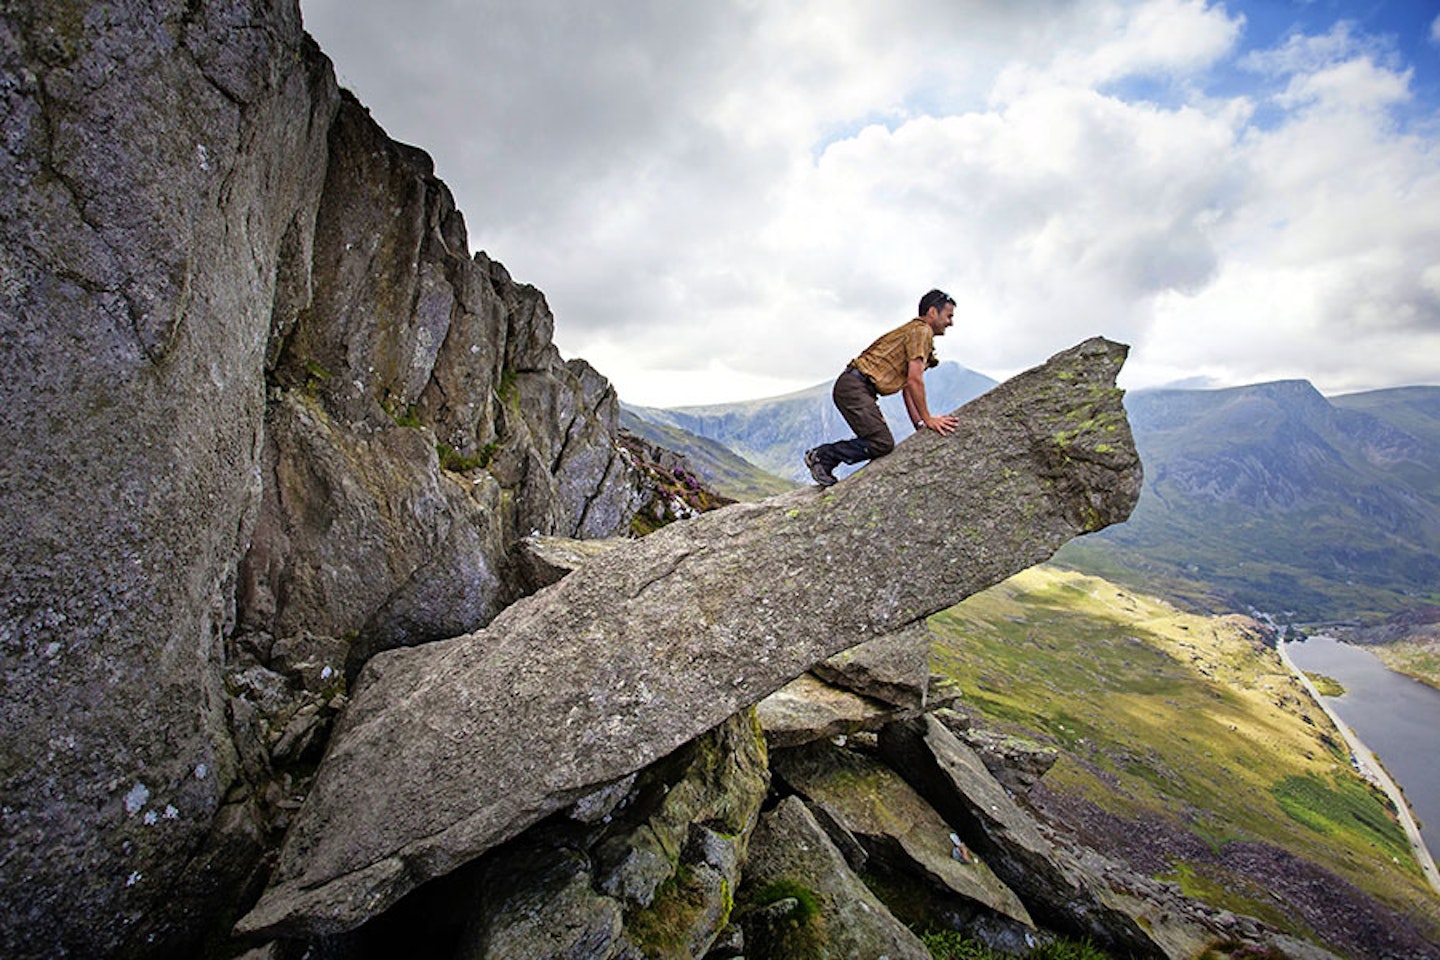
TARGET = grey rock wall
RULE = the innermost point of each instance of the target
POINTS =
(263, 415)
(157, 156)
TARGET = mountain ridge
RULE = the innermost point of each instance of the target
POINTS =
(1262, 496)
(1271, 496)
(773, 432)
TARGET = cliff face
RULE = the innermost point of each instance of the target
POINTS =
(264, 416)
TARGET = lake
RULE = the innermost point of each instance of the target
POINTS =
(1398, 718)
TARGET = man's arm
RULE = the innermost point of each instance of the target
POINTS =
(914, 394)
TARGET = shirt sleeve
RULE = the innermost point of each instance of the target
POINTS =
(920, 344)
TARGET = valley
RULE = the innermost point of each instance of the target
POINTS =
(1190, 752)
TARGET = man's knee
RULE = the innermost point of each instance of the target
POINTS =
(879, 445)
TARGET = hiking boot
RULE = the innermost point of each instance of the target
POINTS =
(818, 469)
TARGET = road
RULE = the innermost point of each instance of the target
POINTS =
(1371, 769)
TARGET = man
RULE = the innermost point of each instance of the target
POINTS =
(896, 363)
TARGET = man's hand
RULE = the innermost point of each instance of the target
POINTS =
(942, 424)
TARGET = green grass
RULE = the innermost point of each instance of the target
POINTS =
(1162, 714)
(1417, 659)
(1228, 892)
(1345, 807)
(949, 945)
(410, 418)
(1326, 686)
(457, 462)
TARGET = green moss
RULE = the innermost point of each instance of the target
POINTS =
(457, 462)
(798, 935)
(316, 376)
(807, 902)
(508, 391)
(727, 904)
(664, 928)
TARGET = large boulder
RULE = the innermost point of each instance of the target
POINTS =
(801, 899)
(649, 869)
(807, 708)
(262, 411)
(894, 824)
(451, 748)
(895, 669)
(1061, 897)
(421, 422)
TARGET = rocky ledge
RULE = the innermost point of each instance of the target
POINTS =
(451, 748)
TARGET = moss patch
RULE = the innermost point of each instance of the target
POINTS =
(457, 462)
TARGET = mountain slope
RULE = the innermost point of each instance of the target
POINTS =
(773, 433)
(728, 473)
(1274, 497)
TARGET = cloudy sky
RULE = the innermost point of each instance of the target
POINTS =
(726, 199)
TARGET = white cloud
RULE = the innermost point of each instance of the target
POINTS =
(1347, 86)
(738, 196)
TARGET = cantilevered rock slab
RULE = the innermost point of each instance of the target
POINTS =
(450, 748)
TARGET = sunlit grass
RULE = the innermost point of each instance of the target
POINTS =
(1163, 713)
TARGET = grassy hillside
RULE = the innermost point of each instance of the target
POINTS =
(1186, 749)
(1272, 497)
(1418, 659)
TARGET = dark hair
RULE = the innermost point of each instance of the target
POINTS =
(935, 298)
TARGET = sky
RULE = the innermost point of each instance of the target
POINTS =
(729, 199)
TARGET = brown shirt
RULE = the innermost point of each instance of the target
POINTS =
(887, 360)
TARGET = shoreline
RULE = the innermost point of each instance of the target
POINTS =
(1369, 767)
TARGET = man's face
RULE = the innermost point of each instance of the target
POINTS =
(940, 319)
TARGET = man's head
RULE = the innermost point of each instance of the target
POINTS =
(937, 308)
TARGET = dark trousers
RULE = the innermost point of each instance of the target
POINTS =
(855, 397)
